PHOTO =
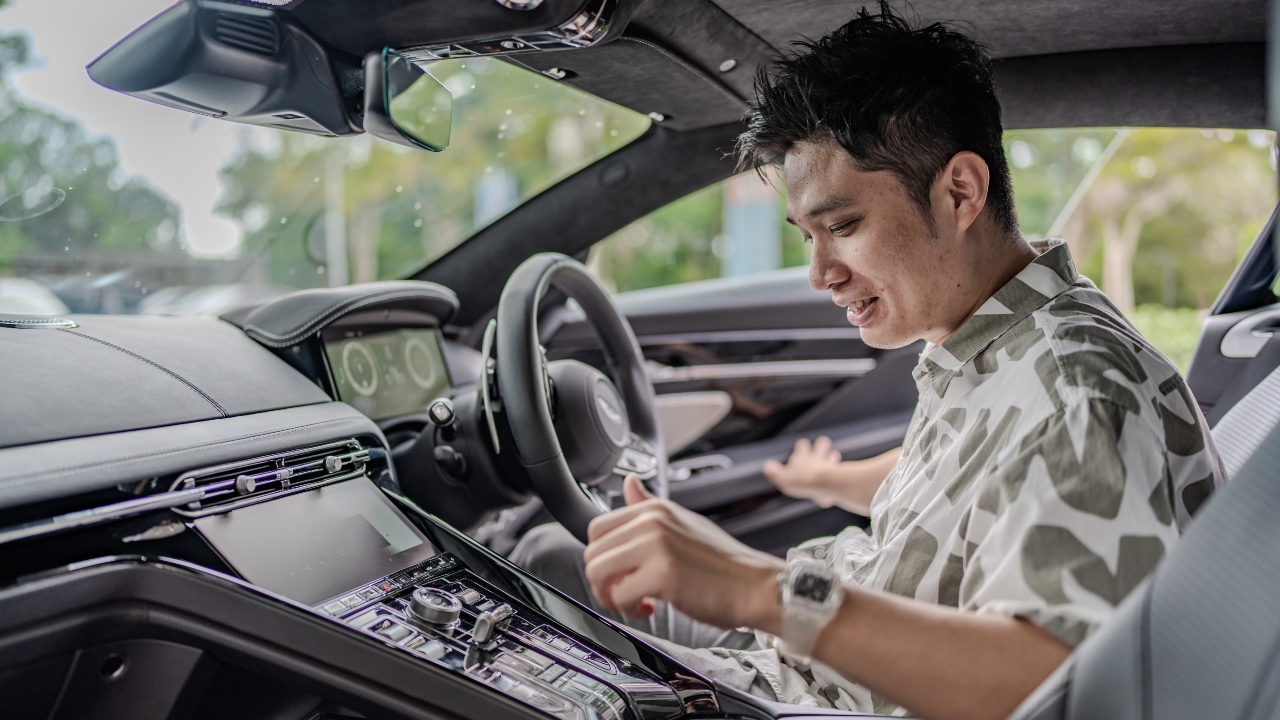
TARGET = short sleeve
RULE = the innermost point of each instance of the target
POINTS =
(1069, 520)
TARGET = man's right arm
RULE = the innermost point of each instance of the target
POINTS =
(814, 472)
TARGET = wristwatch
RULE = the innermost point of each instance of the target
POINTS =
(810, 593)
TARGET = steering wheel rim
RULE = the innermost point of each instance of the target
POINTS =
(522, 382)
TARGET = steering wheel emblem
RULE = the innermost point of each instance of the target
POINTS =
(609, 411)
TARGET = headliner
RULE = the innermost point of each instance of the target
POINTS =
(1014, 28)
(1191, 63)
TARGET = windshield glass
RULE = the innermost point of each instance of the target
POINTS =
(111, 204)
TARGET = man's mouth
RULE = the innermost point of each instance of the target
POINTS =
(860, 311)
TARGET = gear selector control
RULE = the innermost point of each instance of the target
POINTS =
(434, 606)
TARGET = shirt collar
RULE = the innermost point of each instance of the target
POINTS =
(1046, 277)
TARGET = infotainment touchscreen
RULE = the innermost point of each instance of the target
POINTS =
(316, 544)
(386, 374)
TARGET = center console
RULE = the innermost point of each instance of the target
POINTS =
(348, 551)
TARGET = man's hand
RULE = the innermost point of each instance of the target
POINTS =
(810, 473)
(814, 472)
(656, 550)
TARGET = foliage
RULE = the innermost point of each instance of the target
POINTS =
(1173, 331)
(1189, 202)
(105, 213)
(682, 242)
(515, 134)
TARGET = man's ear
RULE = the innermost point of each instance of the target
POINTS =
(964, 182)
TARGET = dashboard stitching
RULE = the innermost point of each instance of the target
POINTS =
(157, 366)
(340, 307)
(20, 480)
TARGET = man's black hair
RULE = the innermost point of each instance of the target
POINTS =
(897, 98)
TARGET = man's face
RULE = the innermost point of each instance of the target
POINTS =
(899, 279)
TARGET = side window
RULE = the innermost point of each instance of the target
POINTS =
(735, 227)
(1157, 217)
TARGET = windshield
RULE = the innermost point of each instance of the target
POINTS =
(114, 205)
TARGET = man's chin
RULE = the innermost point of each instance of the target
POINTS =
(884, 339)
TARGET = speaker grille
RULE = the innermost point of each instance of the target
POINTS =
(35, 322)
(252, 34)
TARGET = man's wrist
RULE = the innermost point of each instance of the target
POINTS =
(761, 610)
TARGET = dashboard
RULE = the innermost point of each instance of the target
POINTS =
(389, 372)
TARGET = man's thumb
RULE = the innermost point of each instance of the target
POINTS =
(634, 491)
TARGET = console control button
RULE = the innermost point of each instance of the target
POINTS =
(335, 608)
(484, 629)
(435, 606)
(470, 596)
(393, 631)
(434, 649)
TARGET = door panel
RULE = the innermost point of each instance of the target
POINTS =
(1239, 344)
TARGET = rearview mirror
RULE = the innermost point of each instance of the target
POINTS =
(404, 104)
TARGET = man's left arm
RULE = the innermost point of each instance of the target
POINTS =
(936, 661)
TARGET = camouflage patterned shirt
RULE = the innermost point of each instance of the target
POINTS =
(1052, 461)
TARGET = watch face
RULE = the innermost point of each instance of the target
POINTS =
(814, 588)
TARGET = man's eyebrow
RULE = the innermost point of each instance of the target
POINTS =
(834, 202)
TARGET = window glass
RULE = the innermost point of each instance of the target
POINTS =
(1157, 217)
(112, 204)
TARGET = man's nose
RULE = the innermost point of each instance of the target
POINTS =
(824, 273)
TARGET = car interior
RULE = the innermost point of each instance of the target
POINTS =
(183, 499)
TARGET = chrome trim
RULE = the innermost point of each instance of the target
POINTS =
(726, 336)
(488, 377)
(519, 4)
(682, 470)
(105, 513)
(265, 497)
(856, 367)
(228, 467)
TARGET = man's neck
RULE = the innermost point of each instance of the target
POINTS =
(1005, 255)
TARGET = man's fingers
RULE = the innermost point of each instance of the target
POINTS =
(610, 567)
(822, 446)
(634, 491)
(772, 470)
(649, 524)
(602, 525)
(633, 594)
(835, 456)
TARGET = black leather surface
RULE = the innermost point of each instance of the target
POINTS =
(289, 319)
(32, 473)
(114, 374)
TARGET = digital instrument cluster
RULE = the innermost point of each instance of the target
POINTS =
(390, 373)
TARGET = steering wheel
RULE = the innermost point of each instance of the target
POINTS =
(572, 426)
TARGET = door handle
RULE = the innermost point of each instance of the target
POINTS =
(1246, 338)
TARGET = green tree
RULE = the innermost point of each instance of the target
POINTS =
(66, 199)
(515, 133)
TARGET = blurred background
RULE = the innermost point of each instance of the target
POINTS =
(109, 204)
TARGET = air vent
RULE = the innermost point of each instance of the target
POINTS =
(230, 486)
(252, 34)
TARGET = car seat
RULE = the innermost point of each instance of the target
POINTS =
(1201, 638)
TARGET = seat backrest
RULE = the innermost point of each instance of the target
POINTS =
(1239, 433)
(1201, 638)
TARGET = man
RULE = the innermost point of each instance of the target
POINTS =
(1052, 460)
